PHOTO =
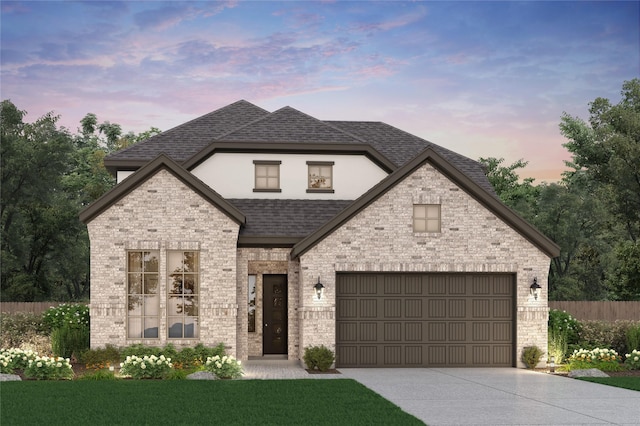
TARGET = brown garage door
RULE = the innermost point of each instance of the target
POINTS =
(425, 320)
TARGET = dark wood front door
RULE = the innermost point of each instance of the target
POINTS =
(274, 328)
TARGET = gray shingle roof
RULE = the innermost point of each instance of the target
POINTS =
(285, 218)
(289, 125)
(186, 140)
(400, 147)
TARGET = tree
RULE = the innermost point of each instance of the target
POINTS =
(520, 196)
(35, 212)
(48, 176)
(608, 150)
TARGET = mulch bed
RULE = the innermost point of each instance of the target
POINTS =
(331, 371)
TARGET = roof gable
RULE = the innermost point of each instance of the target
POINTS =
(445, 167)
(161, 162)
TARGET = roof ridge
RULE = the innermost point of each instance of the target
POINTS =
(180, 126)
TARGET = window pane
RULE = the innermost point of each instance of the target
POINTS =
(135, 283)
(174, 261)
(175, 305)
(175, 327)
(151, 328)
(272, 183)
(135, 328)
(419, 225)
(151, 305)
(252, 303)
(135, 305)
(433, 226)
(191, 261)
(433, 211)
(150, 283)
(135, 261)
(191, 327)
(191, 305)
(151, 261)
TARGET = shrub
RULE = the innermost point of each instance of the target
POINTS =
(20, 328)
(531, 356)
(49, 368)
(605, 334)
(146, 367)
(67, 341)
(225, 367)
(563, 331)
(602, 359)
(319, 357)
(69, 325)
(633, 360)
(15, 359)
(101, 357)
(74, 315)
(633, 337)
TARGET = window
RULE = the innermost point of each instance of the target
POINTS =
(252, 303)
(183, 287)
(426, 218)
(267, 176)
(320, 176)
(143, 300)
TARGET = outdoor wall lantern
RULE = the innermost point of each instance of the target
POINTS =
(535, 289)
(319, 289)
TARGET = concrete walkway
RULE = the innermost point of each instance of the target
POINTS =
(475, 396)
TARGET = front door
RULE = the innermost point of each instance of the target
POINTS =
(274, 328)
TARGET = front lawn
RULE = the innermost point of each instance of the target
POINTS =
(182, 402)
(632, 383)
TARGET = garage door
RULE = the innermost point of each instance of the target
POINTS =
(425, 320)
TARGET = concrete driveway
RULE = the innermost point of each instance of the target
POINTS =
(499, 396)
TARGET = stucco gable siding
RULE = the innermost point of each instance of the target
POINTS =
(380, 237)
(163, 213)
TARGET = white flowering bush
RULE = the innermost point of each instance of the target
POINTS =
(49, 368)
(225, 367)
(146, 367)
(633, 360)
(15, 359)
(602, 359)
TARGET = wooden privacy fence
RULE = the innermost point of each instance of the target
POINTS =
(31, 307)
(600, 310)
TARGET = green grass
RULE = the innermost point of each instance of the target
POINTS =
(632, 383)
(187, 402)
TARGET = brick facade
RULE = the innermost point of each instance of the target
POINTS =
(381, 238)
(163, 214)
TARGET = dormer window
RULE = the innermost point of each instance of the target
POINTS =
(320, 176)
(267, 176)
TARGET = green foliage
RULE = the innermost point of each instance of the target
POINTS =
(633, 337)
(605, 334)
(624, 276)
(101, 374)
(224, 367)
(531, 356)
(47, 176)
(318, 357)
(602, 359)
(68, 341)
(71, 315)
(12, 359)
(101, 357)
(49, 368)
(632, 360)
(146, 367)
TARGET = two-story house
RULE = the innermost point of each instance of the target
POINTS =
(275, 231)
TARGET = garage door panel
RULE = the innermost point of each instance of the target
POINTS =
(430, 320)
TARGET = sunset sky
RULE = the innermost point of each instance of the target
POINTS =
(485, 79)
